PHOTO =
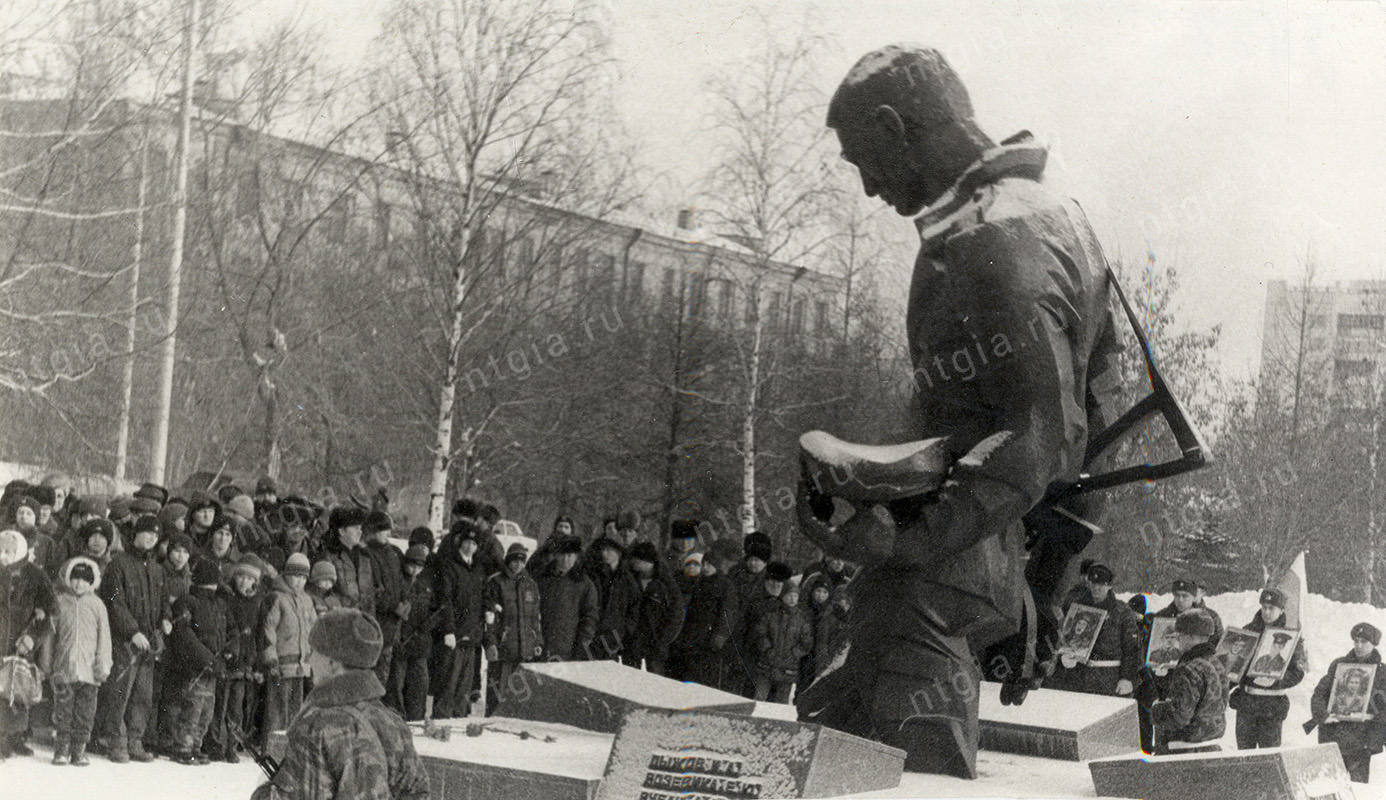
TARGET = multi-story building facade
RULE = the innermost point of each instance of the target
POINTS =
(1327, 340)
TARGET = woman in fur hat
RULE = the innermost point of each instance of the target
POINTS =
(27, 607)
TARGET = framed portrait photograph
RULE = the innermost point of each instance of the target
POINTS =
(1273, 654)
(1352, 691)
(1081, 626)
(1163, 651)
(1236, 649)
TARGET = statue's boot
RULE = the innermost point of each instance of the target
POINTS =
(938, 746)
(867, 474)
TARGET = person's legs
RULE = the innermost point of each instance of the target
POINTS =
(414, 693)
(83, 719)
(141, 700)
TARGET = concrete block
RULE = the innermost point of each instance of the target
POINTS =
(1286, 773)
(1067, 726)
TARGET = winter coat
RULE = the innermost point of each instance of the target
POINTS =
(344, 743)
(288, 619)
(356, 580)
(461, 590)
(133, 589)
(388, 568)
(1119, 639)
(618, 598)
(243, 643)
(198, 642)
(783, 637)
(324, 602)
(1270, 702)
(24, 589)
(658, 620)
(81, 632)
(749, 588)
(427, 615)
(707, 622)
(517, 634)
(44, 552)
(1352, 735)
(1193, 705)
(568, 607)
(177, 582)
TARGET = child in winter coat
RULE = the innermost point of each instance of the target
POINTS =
(512, 601)
(27, 607)
(783, 637)
(81, 659)
(289, 616)
(195, 665)
(322, 587)
(408, 688)
(236, 710)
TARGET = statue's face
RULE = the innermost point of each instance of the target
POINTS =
(879, 162)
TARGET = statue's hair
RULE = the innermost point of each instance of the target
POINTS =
(914, 80)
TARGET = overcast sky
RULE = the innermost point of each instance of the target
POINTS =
(1224, 137)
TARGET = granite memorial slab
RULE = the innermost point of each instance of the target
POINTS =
(679, 755)
(596, 695)
(1068, 726)
(1286, 773)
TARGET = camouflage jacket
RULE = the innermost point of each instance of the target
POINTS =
(345, 743)
(1193, 706)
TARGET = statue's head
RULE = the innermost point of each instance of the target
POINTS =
(905, 121)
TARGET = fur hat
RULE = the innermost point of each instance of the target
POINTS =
(171, 513)
(27, 501)
(44, 495)
(93, 527)
(490, 513)
(146, 522)
(227, 491)
(421, 535)
(242, 506)
(323, 570)
(88, 506)
(778, 571)
(463, 529)
(1274, 597)
(266, 485)
(297, 565)
(466, 507)
(20, 543)
(516, 550)
(377, 521)
(628, 520)
(607, 543)
(180, 540)
(153, 491)
(1365, 630)
(201, 500)
(416, 554)
(349, 636)
(683, 529)
(1101, 574)
(78, 565)
(757, 545)
(346, 517)
(248, 566)
(83, 571)
(120, 507)
(143, 505)
(567, 544)
(205, 572)
(643, 551)
(1195, 622)
(1137, 603)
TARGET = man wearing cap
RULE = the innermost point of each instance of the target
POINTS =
(568, 604)
(1358, 738)
(388, 569)
(342, 547)
(1190, 713)
(456, 648)
(266, 499)
(1003, 265)
(748, 579)
(1115, 661)
(1187, 594)
(683, 539)
(345, 743)
(408, 687)
(618, 598)
(1260, 703)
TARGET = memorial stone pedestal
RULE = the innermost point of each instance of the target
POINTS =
(1285, 773)
(1062, 725)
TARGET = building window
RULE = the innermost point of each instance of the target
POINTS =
(796, 315)
(726, 300)
(1352, 380)
(382, 225)
(820, 314)
(752, 305)
(1360, 322)
(635, 280)
(671, 281)
(774, 312)
(248, 194)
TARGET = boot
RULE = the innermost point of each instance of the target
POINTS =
(60, 754)
(79, 756)
(138, 753)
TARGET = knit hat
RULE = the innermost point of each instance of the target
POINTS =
(757, 545)
(421, 535)
(153, 491)
(1101, 574)
(88, 506)
(567, 544)
(180, 541)
(143, 505)
(346, 517)
(20, 543)
(464, 529)
(172, 512)
(349, 636)
(683, 529)
(146, 522)
(1185, 585)
(96, 526)
(643, 551)
(242, 506)
(1274, 597)
(377, 521)
(323, 570)
(297, 565)
(295, 511)
(83, 571)
(266, 485)
(416, 554)
(778, 571)
(628, 520)
(247, 566)
(1194, 622)
(516, 550)
(206, 573)
(43, 495)
(1365, 630)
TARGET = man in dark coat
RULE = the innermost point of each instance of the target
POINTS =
(342, 548)
(568, 603)
(1115, 661)
(660, 614)
(516, 635)
(461, 590)
(1358, 739)
(1191, 712)
(1013, 343)
(1260, 703)
(618, 597)
(388, 569)
(707, 623)
(748, 582)
(27, 608)
(138, 605)
(408, 688)
(1187, 594)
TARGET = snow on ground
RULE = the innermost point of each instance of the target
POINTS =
(1326, 626)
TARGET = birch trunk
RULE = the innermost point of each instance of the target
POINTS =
(748, 427)
(447, 395)
(127, 377)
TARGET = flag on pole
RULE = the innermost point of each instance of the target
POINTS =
(1293, 584)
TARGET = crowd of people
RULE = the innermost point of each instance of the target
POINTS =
(179, 624)
(1183, 708)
